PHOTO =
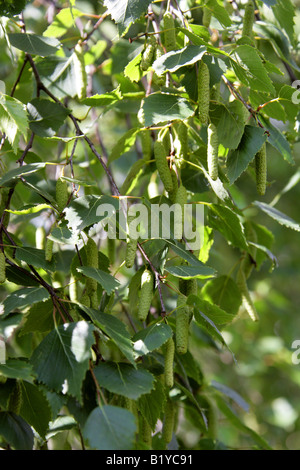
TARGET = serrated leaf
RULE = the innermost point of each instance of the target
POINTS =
(151, 338)
(12, 175)
(62, 22)
(57, 74)
(224, 220)
(218, 10)
(30, 209)
(39, 318)
(250, 70)
(46, 117)
(103, 100)
(110, 428)
(152, 404)
(212, 311)
(114, 328)
(69, 347)
(13, 119)
(280, 217)
(18, 369)
(162, 107)
(124, 144)
(34, 44)
(35, 408)
(230, 126)
(238, 160)
(34, 257)
(23, 297)
(86, 210)
(125, 12)
(124, 379)
(174, 60)
(190, 272)
(133, 70)
(284, 12)
(107, 281)
(16, 431)
(223, 292)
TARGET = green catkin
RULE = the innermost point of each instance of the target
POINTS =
(146, 294)
(203, 92)
(169, 420)
(131, 245)
(2, 268)
(180, 144)
(148, 54)
(146, 143)
(85, 300)
(92, 261)
(15, 399)
(182, 325)
(212, 151)
(248, 19)
(94, 299)
(157, 79)
(169, 363)
(169, 32)
(206, 17)
(79, 71)
(172, 194)
(181, 200)
(62, 195)
(261, 170)
(48, 249)
(162, 166)
(246, 298)
(145, 431)
(40, 238)
(111, 250)
(4, 195)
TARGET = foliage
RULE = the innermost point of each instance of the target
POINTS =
(122, 343)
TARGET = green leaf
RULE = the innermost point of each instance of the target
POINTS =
(162, 107)
(236, 397)
(16, 431)
(10, 177)
(114, 328)
(110, 428)
(224, 220)
(124, 379)
(125, 12)
(190, 272)
(39, 318)
(124, 144)
(107, 281)
(57, 74)
(278, 140)
(181, 251)
(35, 408)
(68, 345)
(152, 404)
(235, 420)
(219, 12)
(174, 60)
(250, 69)
(46, 117)
(238, 160)
(151, 338)
(212, 311)
(209, 326)
(229, 123)
(133, 70)
(64, 236)
(34, 44)
(13, 119)
(280, 217)
(284, 12)
(105, 99)
(30, 209)
(21, 298)
(34, 257)
(86, 210)
(62, 22)
(17, 369)
(223, 292)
